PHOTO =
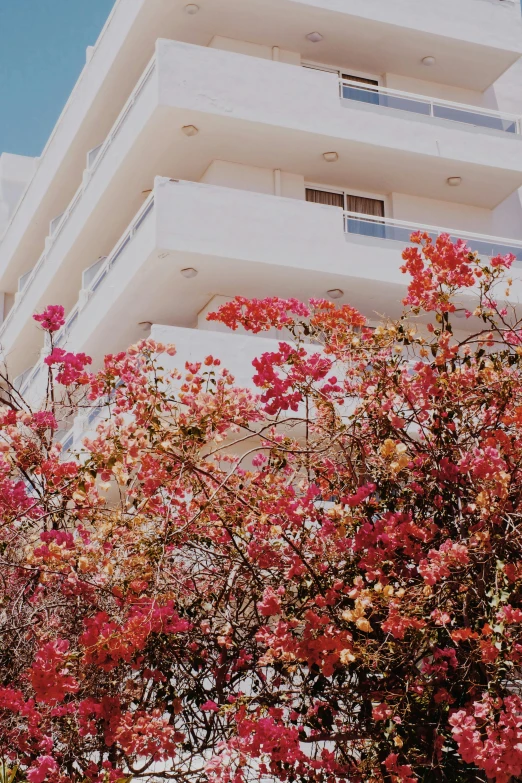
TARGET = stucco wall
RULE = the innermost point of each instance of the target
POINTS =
(255, 179)
(255, 50)
(433, 90)
(441, 213)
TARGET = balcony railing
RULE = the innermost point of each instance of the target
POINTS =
(27, 379)
(61, 221)
(431, 107)
(401, 230)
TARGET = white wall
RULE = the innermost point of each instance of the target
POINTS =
(441, 213)
(255, 179)
(507, 217)
(433, 90)
(255, 50)
(506, 93)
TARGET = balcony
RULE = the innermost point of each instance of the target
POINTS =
(377, 134)
(378, 148)
(273, 110)
(435, 109)
(238, 243)
(474, 42)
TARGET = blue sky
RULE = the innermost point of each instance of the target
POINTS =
(42, 51)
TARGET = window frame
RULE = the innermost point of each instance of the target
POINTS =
(343, 72)
(352, 192)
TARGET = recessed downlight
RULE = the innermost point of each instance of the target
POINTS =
(315, 37)
(190, 130)
(429, 61)
(454, 182)
(191, 9)
(189, 272)
(331, 157)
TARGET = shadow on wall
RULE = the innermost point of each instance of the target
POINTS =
(507, 217)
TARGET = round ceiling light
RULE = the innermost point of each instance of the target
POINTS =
(190, 130)
(429, 61)
(315, 37)
(189, 272)
(191, 9)
(335, 293)
(454, 182)
(331, 157)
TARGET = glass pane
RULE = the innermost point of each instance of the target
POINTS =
(402, 234)
(367, 95)
(406, 104)
(360, 94)
(366, 228)
(491, 247)
(474, 118)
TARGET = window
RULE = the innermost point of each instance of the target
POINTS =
(361, 205)
(360, 79)
(365, 206)
(325, 197)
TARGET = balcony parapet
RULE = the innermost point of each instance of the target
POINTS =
(29, 377)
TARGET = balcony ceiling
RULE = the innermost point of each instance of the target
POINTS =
(162, 148)
(355, 32)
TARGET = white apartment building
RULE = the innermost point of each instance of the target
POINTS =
(259, 147)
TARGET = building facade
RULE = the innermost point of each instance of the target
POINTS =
(259, 147)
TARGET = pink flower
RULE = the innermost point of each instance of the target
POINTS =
(381, 712)
(271, 603)
(44, 420)
(401, 773)
(489, 735)
(52, 318)
(45, 767)
(210, 706)
(71, 365)
(440, 562)
(49, 676)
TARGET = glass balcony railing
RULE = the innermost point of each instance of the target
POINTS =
(400, 231)
(431, 107)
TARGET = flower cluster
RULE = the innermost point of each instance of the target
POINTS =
(489, 735)
(318, 577)
(71, 366)
(52, 319)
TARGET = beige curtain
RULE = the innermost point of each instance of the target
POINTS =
(360, 79)
(365, 206)
(324, 197)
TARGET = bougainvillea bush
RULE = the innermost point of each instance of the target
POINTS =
(317, 581)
